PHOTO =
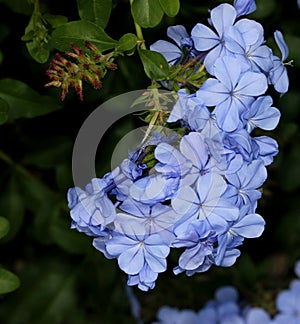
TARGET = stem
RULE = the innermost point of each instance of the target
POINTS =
(139, 33)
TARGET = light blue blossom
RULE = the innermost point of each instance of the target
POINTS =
(244, 184)
(175, 54)
(205, 39)
(232, 92)
(261, 114)
(167, 315)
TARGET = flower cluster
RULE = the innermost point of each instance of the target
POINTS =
(201, 189)
(65, 73)
(226, 307)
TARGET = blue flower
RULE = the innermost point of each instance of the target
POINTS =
(287, 303)
(136, 252)
(244, 184)
(232, 92)
(167, 315)
(204, 203)
(278, 75)
(205, 39)
(248, 225)
(261, 114)
(91, 210)
(175, 54)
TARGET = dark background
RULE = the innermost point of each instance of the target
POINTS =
(63, 278)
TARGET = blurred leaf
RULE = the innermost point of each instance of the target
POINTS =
(264, 9)
(47, 294)
(49, 152)
(127, 42)
(170, 7)
(8, 281)
(23, 7)
(4, 226)
(293, 43)
(4, 31)
(23, 101)
(4, 107)
(78, 32)
(155, 65)
(1, 57)
(12, 206)
(96, 11)
(289, 172)
(147, 13)
(69, 239)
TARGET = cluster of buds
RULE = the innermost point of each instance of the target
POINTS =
(81, 66)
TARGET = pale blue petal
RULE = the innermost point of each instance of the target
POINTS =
(132, 260)
(222, 17)
(251, 30)
(170, 51)
(185, 201)
(244, 7)
(258, 315)
(230, 258)
(228, 70)
(204, 38)
(226, 293)
(177, 33)
(252, 84)
(192, 146)
(212, 92)
(281, 44)
(250, 226)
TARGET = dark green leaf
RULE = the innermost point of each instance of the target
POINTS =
(8, 281)
(4, 226)
(19, 6)
(39, 52)
(127, 42)
(4, 107)
(170, 7)
(23, 101)
(155, 65)
(12, 206)
(80, 31)
(55, 20)
(147, 13)
(96, 11)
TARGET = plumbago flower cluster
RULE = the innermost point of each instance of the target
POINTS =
(227, 307)
(200, 190)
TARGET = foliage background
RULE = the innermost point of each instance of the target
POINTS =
(62, 278)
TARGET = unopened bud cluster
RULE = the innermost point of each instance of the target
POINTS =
(79, 67)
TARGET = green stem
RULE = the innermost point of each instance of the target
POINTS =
(139, 33)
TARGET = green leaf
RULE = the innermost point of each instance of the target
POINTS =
(4, 227)
(127, 42)
(96, 11)
(55, 20)
(170, 7)
(39, 52)
(78, 32)
(24, 102)
(36, 38)
(4, 107)
(8, 281)
(155, 65)
(147, 13)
